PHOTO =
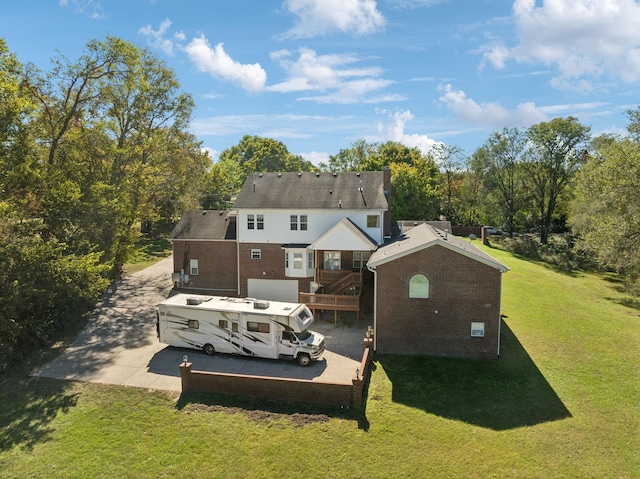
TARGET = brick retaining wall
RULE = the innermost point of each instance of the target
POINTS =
(283, 389)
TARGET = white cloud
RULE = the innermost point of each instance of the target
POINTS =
(394, 130)
(582, 38)
(316, 157)
(90, 8)
(319, 17)
(334, 77)
(490, 114)
(219, 64)
(156, 37)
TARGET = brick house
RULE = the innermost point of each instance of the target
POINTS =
(320, 238)
(436, 294)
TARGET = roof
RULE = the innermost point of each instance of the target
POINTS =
(425, 236)
(205, 225)
(240, 305)
(345, 236)
(316, 190)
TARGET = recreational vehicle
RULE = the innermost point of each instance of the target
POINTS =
(245, 326)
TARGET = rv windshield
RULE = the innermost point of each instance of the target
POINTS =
(303, 335)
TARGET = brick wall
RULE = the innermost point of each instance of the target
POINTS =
(282, 389)
(462, 291)
(270, 266)
(217, 264)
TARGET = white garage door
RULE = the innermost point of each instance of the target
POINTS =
(273, 289)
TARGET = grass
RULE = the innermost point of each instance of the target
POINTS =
(147, 251)
(561, 402)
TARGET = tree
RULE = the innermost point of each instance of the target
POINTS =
(449, 159)
(555, 154)
(499, 161)
(414, 191)
(605, 212)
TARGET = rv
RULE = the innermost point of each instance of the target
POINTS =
(245, 326)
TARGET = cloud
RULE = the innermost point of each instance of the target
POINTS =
(394, 130)
(490, 115)
(90, 8)
(335, 78)
(582, 38)
(219, 64)
(316, 157)
(320, 17)
(156, 37)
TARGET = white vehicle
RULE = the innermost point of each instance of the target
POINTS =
(250, 327)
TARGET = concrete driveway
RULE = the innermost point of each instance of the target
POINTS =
(119, 344)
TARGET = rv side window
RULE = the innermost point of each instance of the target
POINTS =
(234, 327)
(257, 327)
(193, 324)
(223, 323)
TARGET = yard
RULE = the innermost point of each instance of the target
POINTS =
(562, 401)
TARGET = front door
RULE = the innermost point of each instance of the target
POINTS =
(332, 260)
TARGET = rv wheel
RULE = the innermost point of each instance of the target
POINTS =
(304, 359)
(209, 349)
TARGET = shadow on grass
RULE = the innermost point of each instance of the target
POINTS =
(504, 394)
(262, 410)
(27, 408)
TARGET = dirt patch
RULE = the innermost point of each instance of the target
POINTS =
(296, 419)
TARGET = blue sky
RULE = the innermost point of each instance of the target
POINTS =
(320, 74)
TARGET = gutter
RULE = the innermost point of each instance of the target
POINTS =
(375, 307)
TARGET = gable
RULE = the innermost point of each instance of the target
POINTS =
(315, 190)
(426, 236)
(344, 236)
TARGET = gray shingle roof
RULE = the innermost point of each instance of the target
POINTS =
(351, 190)
(424, 236)
(205, 225)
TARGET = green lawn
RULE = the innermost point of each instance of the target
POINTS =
(562, 401)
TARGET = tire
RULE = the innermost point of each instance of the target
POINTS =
(304, 359)
(209, 349)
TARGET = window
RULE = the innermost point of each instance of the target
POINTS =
(297, 260)
(360, 259)
(419, 286)
(223, 323)
(251, 222)
(477, 330)
(257, 327)
(260, 221)
(295, 225)
(234, 327)
(286, 260)
(310, 260)
(373, 221)
(193, 267)
(332, 260)
(193, 324)
(256, 254)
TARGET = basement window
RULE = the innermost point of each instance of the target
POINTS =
(477, 330)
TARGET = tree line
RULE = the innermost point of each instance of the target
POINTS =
(97, 151)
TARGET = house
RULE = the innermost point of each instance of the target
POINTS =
(320, 238)
(436, 294)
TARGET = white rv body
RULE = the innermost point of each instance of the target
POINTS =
(266, 329)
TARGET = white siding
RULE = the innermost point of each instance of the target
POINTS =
(277, 227)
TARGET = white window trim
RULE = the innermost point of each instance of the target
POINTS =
(193, 267)
(477, 329)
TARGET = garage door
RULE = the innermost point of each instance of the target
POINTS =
(273, 289)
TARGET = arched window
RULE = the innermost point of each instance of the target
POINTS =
(419, 286)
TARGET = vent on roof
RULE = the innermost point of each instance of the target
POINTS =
(260, 175)
(299, 174)
(279, 175)
(358, 174)
(335, 174)
(260, 304)
(317, 174)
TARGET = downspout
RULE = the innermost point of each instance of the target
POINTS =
(375, 307)
(238, 253)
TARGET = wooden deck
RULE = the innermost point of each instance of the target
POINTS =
(331, 302)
